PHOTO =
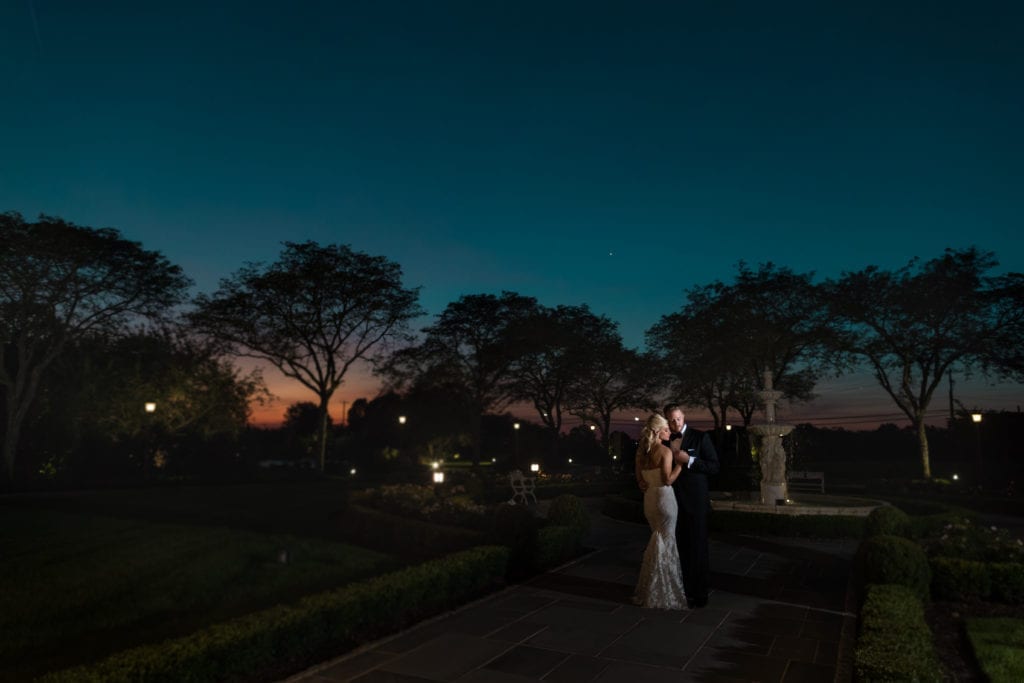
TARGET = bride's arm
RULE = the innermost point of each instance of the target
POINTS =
(639, 477)
(669, 468)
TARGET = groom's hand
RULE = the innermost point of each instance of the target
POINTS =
(679, 455)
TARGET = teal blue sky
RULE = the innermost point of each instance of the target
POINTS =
(608, 153)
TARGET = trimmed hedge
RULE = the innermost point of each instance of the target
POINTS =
(568, 510)
(516, 527)
(894, 642)
(1007, 582)
(887, 521)
(556, 545)
(931, 525)
(286, 638)
(404, 536)
(956, 579)
(891, 559)
(929, 517)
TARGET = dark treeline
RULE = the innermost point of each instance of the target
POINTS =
(94, 326)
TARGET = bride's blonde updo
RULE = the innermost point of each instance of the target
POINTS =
(649, 434)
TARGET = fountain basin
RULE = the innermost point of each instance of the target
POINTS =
(771, 429)
(804, 504)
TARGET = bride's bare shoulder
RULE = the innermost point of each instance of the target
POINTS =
(657, 455)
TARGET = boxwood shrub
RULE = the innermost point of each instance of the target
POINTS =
(891, 559)
(516, 527)
(893, 640)
(568, 510)
(930, 525)
(887, 521)
(956, 579)
(1007, 582)
(556, 544)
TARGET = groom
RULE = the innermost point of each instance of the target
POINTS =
(694, 451)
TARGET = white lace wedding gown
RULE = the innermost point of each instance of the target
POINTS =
(661, 580)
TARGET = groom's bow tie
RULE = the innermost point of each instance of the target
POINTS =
(675, 435)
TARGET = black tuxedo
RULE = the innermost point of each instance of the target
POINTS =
(691, 489)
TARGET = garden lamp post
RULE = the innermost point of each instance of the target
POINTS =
(150, 408)
(976, 419)
(515, 431)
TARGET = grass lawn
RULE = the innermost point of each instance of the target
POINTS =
(998, 644)
(76, 585)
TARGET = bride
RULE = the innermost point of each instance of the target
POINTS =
(661, 581)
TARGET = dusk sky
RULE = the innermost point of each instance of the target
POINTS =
(608, 153)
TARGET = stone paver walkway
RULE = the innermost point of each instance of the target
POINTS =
(777, 613)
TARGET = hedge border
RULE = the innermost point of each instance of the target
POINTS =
(957, 579)
(286, 638)
(894, 642)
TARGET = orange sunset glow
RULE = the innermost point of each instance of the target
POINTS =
(359, 383)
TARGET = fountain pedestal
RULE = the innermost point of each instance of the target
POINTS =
(773, 461)
(772, 456)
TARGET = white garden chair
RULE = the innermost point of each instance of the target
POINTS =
(522, 488)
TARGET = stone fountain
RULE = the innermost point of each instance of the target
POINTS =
(773, 455)
(774, 491)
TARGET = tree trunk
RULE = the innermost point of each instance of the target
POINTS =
(323, 432)
(18, 399)
(922, 440)
(10, 444)
(606, 436)
(477, 437)
(554, 444)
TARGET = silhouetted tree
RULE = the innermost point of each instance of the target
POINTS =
(715, 351)
(302, 422)
(613, 378)
(303, 419)
(470, 352)
(914, 325)
(98, 387)
(59, 282)
(558, 344)
(311, 314)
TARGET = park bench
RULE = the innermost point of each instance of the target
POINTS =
(522, 487)
(806, 482)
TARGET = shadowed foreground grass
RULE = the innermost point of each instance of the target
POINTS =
(75, 586)
(998, 644)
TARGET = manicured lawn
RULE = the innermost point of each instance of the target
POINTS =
(998, 644)
(76, 585)
(301, 508)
